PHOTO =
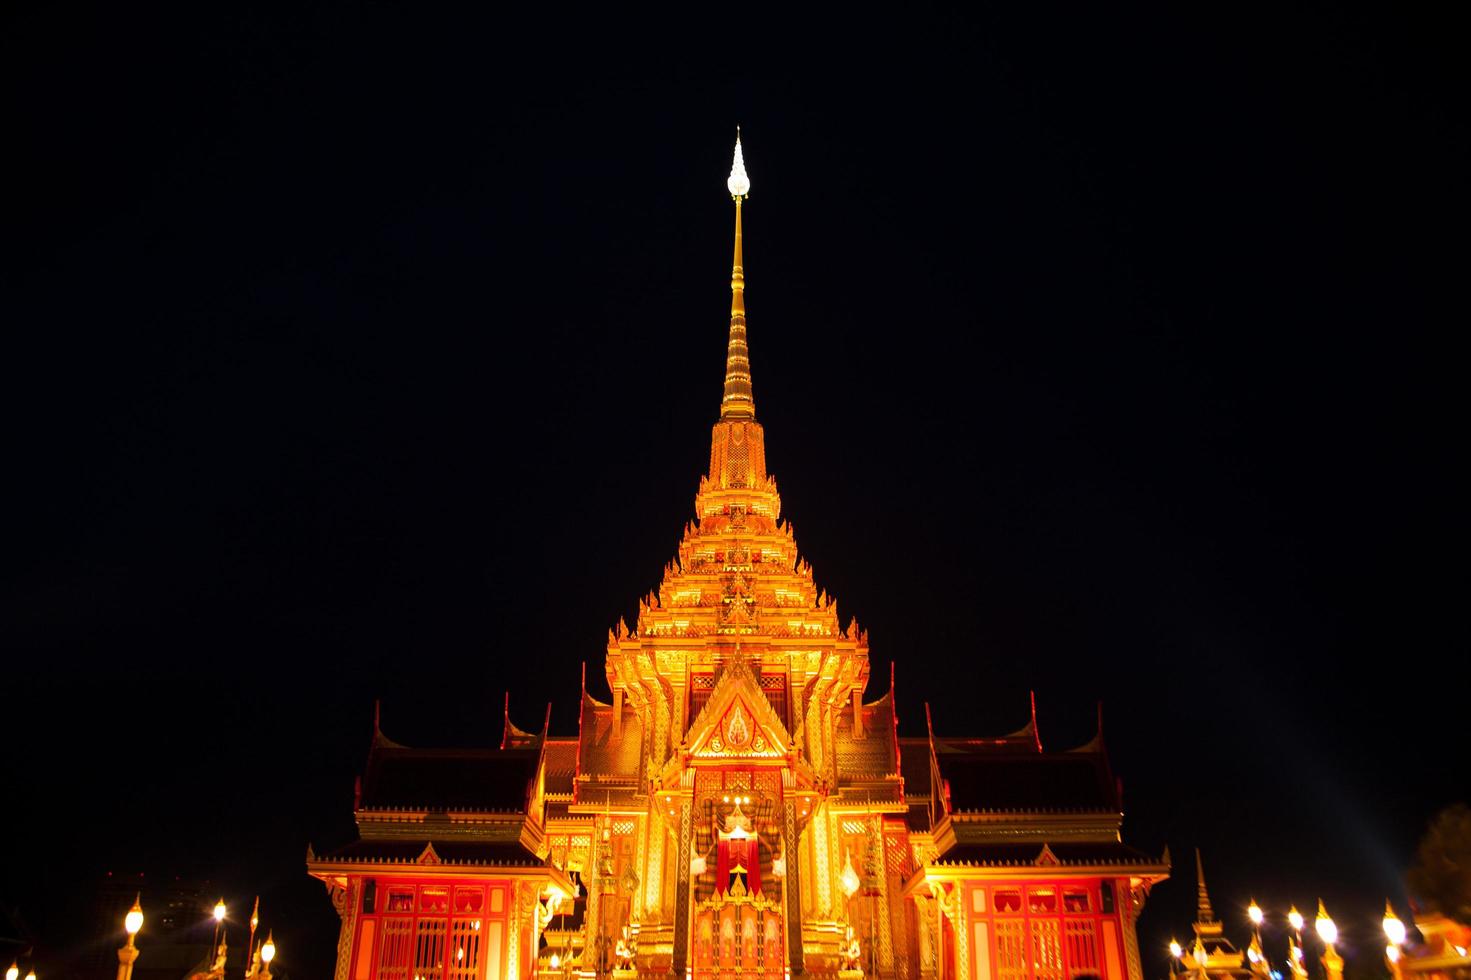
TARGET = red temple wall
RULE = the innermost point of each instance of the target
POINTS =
(432, 929)
(1043, 929)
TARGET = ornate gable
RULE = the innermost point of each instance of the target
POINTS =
(738, 723)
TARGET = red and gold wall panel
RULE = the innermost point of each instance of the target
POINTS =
(1044, 930)
(432, 929)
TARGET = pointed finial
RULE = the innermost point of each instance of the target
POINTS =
(1203, 900)
(738, 183)
(736, 402)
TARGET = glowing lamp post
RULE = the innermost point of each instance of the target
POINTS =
(1255, 955)
(1295, 962)
(14, 972)
(267, 953)
(127, 954)
(1328, 932)
(1394, 931)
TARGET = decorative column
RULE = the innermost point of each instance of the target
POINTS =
(952, 905)
(346, 906)
(796, 963)
(823, 875)
(522, 897)
(1129, 915)
(877, 888)
(679, 961)
(653, 865)
(925, 919)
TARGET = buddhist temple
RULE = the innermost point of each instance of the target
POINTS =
(742, 803)
(1213, 956)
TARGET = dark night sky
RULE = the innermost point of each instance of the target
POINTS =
(355, 353)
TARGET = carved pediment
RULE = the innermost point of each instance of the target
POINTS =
(738, 722)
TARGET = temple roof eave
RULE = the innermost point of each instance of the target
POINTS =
(1145, 874)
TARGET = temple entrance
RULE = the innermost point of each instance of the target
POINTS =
(738, 922)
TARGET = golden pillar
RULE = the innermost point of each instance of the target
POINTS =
(679, 961)
(796, 961)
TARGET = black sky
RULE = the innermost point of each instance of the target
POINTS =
(357, 352)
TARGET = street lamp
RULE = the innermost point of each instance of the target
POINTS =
(267, 953)
(13, 973)
(127, 954)
(1328, 932)
(1254, 953)
(1394, 931)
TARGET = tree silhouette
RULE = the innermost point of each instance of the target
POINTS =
(1441, 876)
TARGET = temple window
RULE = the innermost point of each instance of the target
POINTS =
(1041, 901)
(1082, 946)
(1047, 949)
(425, 935)
(1011, 947)
(1046, 931)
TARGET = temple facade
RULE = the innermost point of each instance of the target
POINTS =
(740, 806)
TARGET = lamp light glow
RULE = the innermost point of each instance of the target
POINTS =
(133, 921)
(13, 973)
(1254, 913)
(31, 974)
(268, 950)
(1327, 929)
(849, 877)
(1176, 950)
(1394, 929)
(556, 962)
(219, 912)
(1393, 952)
(1294, 918)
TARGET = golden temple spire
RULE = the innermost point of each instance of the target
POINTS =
(1203, 900)
(737, 403)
